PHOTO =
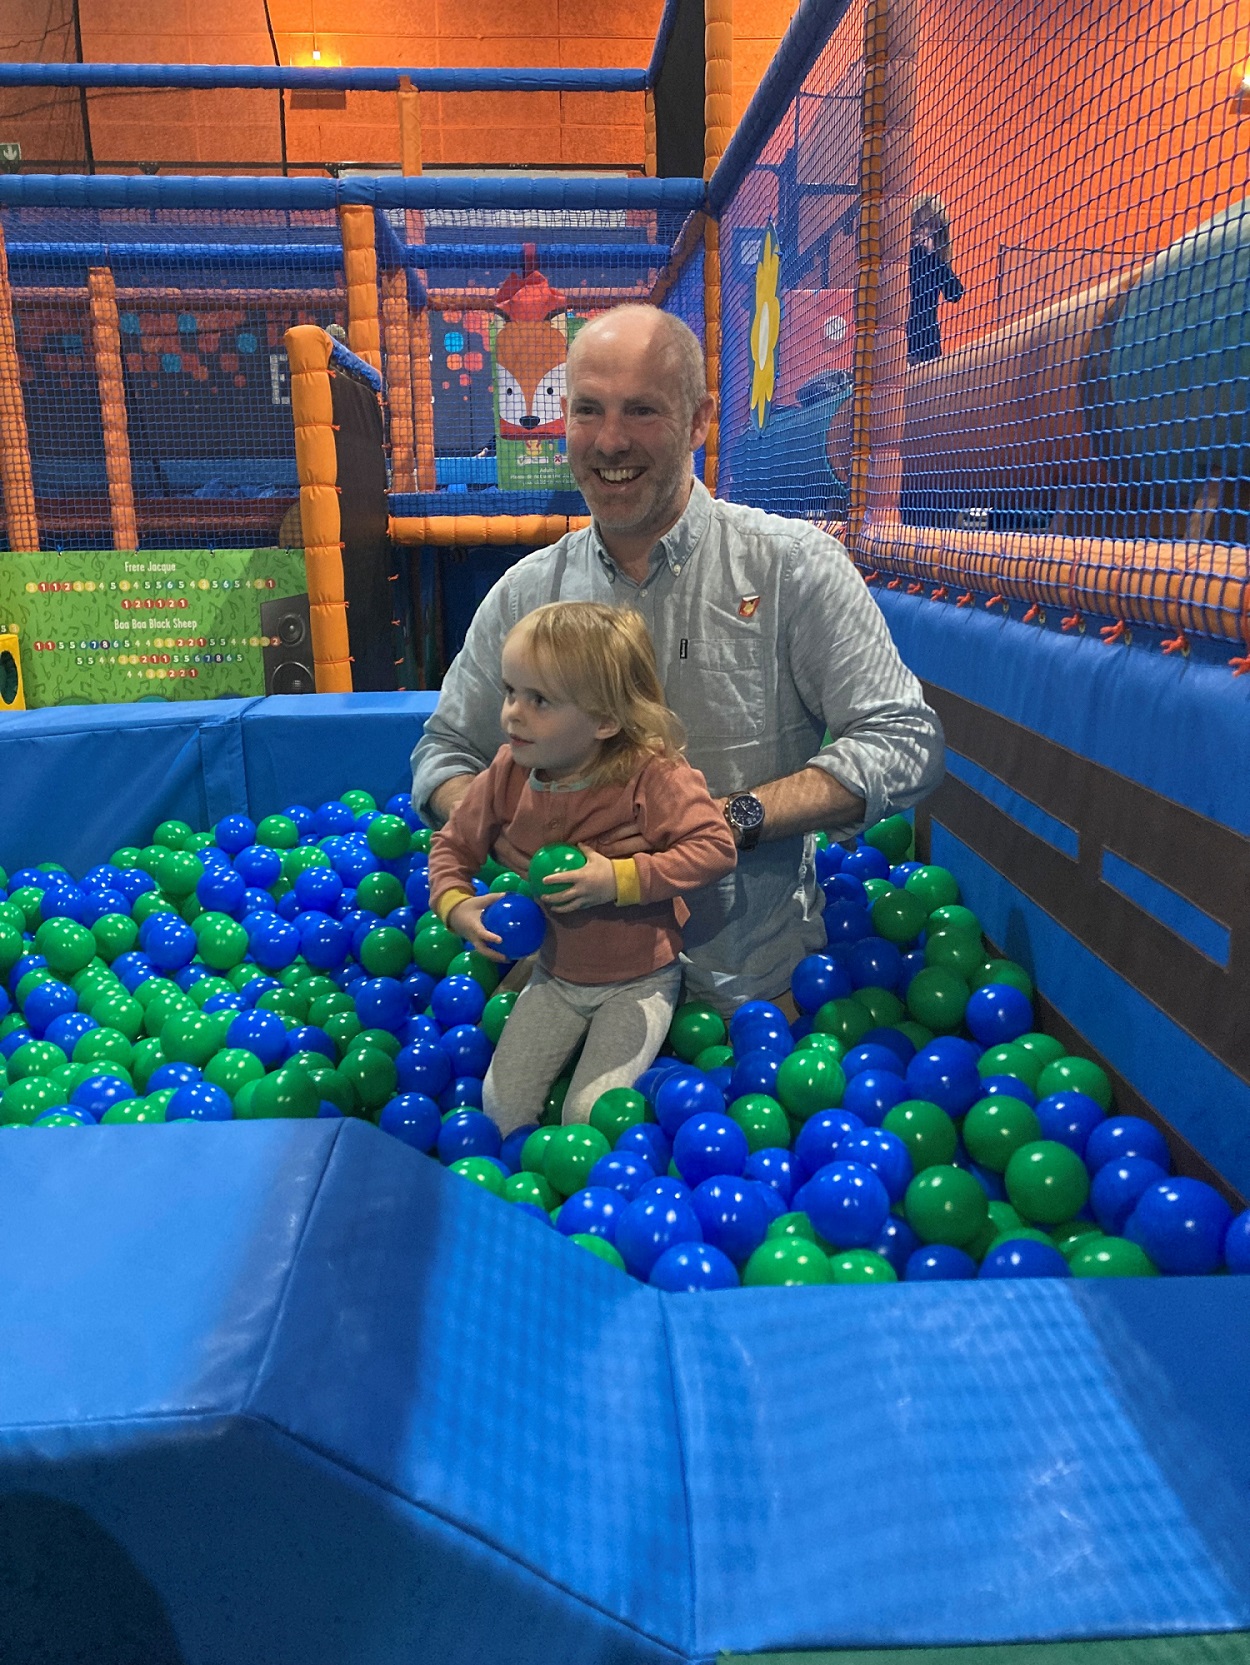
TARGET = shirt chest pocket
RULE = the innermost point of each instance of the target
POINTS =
(716, 686)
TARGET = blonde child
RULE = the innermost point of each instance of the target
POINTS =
(590, 746)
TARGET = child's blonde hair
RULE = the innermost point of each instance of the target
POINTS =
(602, 660)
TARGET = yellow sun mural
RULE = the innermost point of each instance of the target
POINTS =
(765, 327)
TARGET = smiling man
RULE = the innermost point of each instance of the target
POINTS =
(765, 637)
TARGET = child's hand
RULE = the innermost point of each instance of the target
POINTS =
(465, 919)
(585, 887)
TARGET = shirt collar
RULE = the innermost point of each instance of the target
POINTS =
(678, 544)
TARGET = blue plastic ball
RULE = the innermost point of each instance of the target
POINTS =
(771, 1199)
(1119, 1136)
(817, 979)
(103, 876)
(417, 889)
(1181, 1224)
(945, 1073)
(272, 942)
(261, 1032)
(518, 922)
(649, 1142)
(683, 1095)
(422, 1067)
(732, 1214)
(462, 1092)
(754, 1072)
(514, 1142)
(893, 1040)
(885, 1153)
(845, 887)
(847, 1204)
(1117, 1188)
(412, 1117)
(1011, 1086)
(45, 1003)
(99, 1093)
(173, 945)
(467, 1133)
(653, 1222)
(753, 1011)
(323, 941)
(65, 1031)
(381, 1003)
(1237, 1244)
(456, 1000)
(200, 1101)
(133, 968)
(818, 1139)
(625, 1172)
(308, 1037)
(10, 1043)
(102, 902)
(176, 1074)
(872, 1055)
(828, 862)
(221, 890)
(469, 1050)
(319, 888)
(938, 1263)
(897, 1243)
(688, 1268)
(773, 1168)
(866, 863)
(707, 1145)
(595, 1209)
(847, 922)
(763, 1035)
(875, 963)
(234, 833)
(997, 1013)
(1024, 1257)
(332, 817)
(258, 865)
(872, 1094)
(420, 986)
(1067, 1118)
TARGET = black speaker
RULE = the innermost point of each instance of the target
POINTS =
(289, 664)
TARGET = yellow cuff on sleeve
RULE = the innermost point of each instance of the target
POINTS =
(628, 883)
(451, 899)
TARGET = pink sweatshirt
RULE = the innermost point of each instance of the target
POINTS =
(507, 813)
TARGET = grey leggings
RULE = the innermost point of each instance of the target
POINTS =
(624, 1025)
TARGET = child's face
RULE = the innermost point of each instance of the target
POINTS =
(546, 732)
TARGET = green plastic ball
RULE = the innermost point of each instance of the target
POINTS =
(934, 886)
(434, 948)
(178, 872)
(342, 1028)
(795, 1224)
(763, 1120)
(33, 1096)
(553, 1104)
(358, 800)
(1046, 1182)
(114, 934)
(882, 1005)
(809, 1081)
(815, 1038)
(1003, 971)
(534, 1150)
(861, 1266)
(11, 947)
(877, 889)
(189, 1038)
(382, 893)
(232, 1068)
(484, 972)
(119, 1011)
(382, 1040)
(28, 898)
(57, 1118)
(1010, 1059)
(481, 1171)
(892, 837)
(714, 1058)
(938, 998)
(995, 1128)
(385, 952)
(67, 947)
(615, 1110)
(954, 917)
(509, 883)
(279, 832)
(1070, 1235)
(599, 1247)
(530, 1188)
(69, 1076)
(846, 1020)
(330, 1085)
(784, 1262)
(287, 1092)
(495, 1014)
(955, 951)
(1111, 1257)
(389, 837)
(132, 1112)
(1075, 1075)
(35, 1058)
(173, 835)
(571, 1155)
(372, 1073)
(1045, 1047)
(551, 861)
(928, 1132)
(694, 1028)
(106, 1046)
(946, 1205)
(898, 917)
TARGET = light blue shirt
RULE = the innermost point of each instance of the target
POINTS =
(765, 636)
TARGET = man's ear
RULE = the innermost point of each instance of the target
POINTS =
(701, 421)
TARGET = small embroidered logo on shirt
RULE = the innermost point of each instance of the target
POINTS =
(748, 606)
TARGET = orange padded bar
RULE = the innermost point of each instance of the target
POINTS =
(16, 478)
(465, 531)
(308, 349)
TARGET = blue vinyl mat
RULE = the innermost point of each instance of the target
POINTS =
(313, 1399)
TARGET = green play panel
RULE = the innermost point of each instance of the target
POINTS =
(1223, 1648)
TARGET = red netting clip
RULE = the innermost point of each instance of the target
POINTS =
(914, 589)
(1074, 622)
(1034, 612)
(997, 601)
(895, 584)
(1240, 666)
(965, 600)
(939, 594)
(1114, 632)
(1177, 644)
(871, 577)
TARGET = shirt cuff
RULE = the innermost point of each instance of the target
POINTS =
(451, 899)
(628, 882)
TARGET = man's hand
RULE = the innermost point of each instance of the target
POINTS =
(585, 887)
(446, 796)
(465, 919)
(622, 841)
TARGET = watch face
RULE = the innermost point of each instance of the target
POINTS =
(746, 812)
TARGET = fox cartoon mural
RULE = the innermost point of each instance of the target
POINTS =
(530, 345)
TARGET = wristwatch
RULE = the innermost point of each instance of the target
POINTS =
(745, 815)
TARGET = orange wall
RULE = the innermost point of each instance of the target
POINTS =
(758, 28)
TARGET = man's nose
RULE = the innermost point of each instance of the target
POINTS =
(612, 436)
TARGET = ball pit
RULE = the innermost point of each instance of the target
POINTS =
(910, 1125)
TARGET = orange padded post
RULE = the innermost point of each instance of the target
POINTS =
(409, 126)
(648, 135)
(308, 349)
(16, 479)
(395, 339)
(422, 399)
(360, 268)
(718, 50)
(106, 343)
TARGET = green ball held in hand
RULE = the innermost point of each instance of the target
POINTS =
(1047, 1182)
(1111, 1257)
(928, 1132)
(946, 1205)
(571, 1155)
(785, 1261)
(938, 998)
(615, 1110)
(995, 1128)
(762, 1119)
(694, 1028)
(550, 861)
(1075, 1075)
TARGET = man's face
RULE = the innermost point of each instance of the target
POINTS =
(629, 435)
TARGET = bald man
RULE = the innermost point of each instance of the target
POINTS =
(765, 636)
